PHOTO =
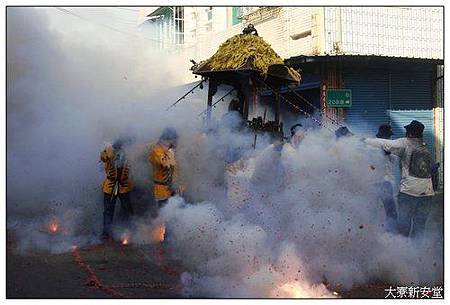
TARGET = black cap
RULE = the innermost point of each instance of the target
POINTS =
(384, 131)
(415, 128)
(123, 141)
(169, 133)
(294, 128)
(342, 132)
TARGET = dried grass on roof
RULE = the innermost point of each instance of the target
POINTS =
(237, 50)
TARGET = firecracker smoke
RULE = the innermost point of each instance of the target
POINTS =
(278, 224)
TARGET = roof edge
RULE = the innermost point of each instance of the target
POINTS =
(303, 59)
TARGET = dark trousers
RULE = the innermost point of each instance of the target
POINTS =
(412, 214)
(126, 211)
(387, 197)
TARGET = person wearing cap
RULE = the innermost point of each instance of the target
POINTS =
(343, 131)
(290, 154)
(163, 162)
(387, 186)
(297, 135)
(117, 184)
(232, 120)
(416, 188)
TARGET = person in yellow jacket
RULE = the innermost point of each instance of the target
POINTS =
(117, 184)
(162, 159)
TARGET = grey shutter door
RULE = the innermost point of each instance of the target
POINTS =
(370, 100)
(412, 99)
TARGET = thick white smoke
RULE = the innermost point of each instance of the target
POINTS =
(280, 224)
(74, 87)
(286, 232)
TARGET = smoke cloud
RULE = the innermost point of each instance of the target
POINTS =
(73, 87)
(280, 224)
(286, 233)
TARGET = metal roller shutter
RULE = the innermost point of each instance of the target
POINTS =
(411, 90)
(370, 100)
(412, 99)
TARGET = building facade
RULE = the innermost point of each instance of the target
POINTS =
(390, 59)
(415, 32)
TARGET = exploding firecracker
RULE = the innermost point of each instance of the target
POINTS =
(297, 290)
(125, 239)
(158, 233)
(288, 290)
(54, 227)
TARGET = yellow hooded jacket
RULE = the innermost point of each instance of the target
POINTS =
(126, 185)
(164, 165)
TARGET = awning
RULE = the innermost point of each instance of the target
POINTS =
(374, 60)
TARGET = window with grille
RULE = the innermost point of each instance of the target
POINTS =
(178, 18)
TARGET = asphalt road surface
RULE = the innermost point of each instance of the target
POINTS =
(109, 270)
(112, 270)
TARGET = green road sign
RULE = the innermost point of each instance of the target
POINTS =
(339, 98)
